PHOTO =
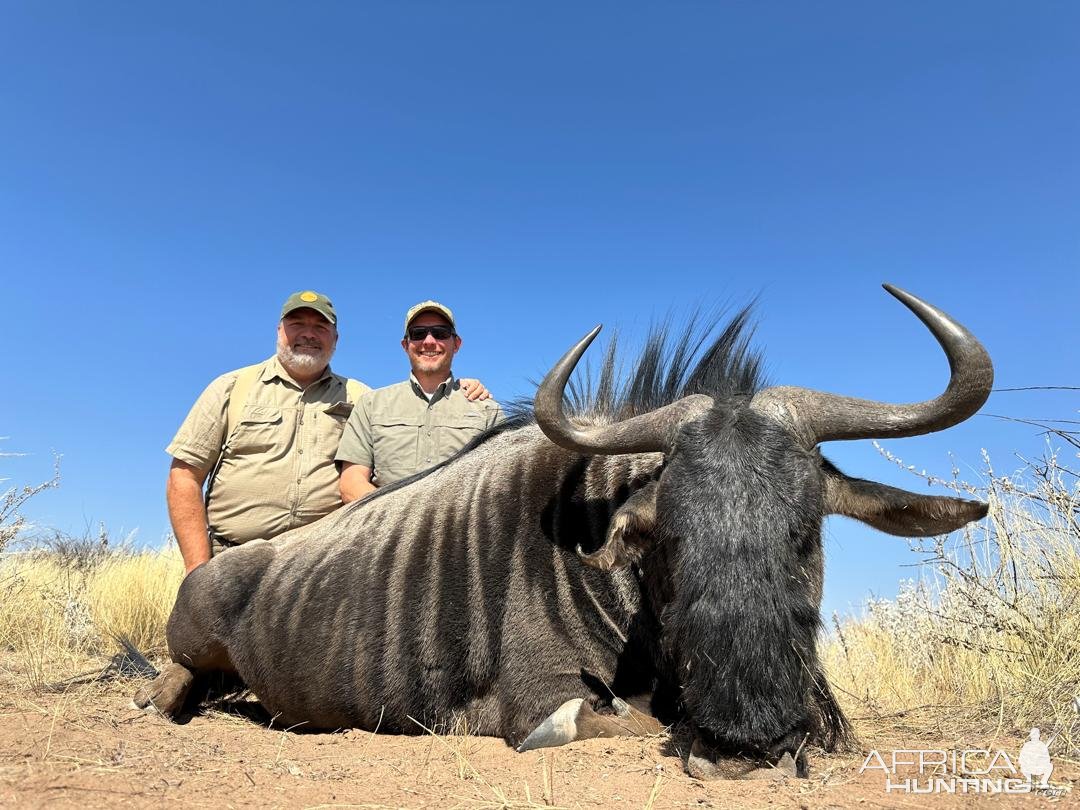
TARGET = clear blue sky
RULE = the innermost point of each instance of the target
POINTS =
(170, 173)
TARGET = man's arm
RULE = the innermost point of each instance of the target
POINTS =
(355, 481)
(195, 450)
(184, 495)
(355, 454)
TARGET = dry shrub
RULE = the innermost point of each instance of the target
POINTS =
(12, 523)
(991, 633)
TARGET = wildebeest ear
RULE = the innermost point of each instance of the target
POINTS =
(897, 511)
(630, 534)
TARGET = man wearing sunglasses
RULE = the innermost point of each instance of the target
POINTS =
(403, 429)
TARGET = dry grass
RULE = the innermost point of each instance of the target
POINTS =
(991, 633)
(459, 745)
(57, 610)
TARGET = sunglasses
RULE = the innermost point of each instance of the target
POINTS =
(418, 333)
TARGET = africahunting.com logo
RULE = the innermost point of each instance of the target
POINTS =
(970, 770)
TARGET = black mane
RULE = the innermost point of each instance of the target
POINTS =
(667, 369)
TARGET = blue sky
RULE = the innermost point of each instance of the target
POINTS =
(169, 174)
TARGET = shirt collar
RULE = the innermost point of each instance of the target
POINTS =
(443, 390)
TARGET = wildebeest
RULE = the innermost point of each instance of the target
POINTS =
(661, 547)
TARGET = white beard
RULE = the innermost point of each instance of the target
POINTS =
(303, 362)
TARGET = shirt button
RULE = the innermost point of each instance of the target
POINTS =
(301, 452)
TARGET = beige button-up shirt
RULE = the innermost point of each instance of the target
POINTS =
(396, 431)
(277, 467)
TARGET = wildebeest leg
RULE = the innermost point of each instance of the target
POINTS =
(193, 647)
(578, 720)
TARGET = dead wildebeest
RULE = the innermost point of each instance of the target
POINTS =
(661, 550)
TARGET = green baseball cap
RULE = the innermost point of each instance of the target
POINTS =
(429, 306)
(307, 299)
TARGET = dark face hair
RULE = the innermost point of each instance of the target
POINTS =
(741, 504)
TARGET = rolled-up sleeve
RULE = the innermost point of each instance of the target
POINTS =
(199, 439)
(356, 445)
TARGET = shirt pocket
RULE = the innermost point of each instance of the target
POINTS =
(330, 425)
(395, 441)
(457, 431)
(259, 430)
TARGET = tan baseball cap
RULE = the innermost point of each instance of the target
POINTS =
(307, 299)
(429, 306)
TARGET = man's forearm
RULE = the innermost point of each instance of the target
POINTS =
(357, 492)
(355, 482)
(188, 516)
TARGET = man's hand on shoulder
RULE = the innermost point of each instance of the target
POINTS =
(474, 390)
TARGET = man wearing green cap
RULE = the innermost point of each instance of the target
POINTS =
(263, 440)
(406, 428)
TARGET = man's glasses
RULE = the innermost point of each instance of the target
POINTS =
(418, 333)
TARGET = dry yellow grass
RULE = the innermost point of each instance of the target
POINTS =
(992, 631)
(58, 610)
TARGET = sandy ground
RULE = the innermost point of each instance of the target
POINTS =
(89, 748)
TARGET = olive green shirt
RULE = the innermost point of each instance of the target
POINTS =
(277, 468)
(397, 432)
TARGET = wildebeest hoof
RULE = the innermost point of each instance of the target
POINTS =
(167, 692)
(704, 764)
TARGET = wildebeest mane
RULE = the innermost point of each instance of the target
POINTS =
(706, 356)
(669, 370)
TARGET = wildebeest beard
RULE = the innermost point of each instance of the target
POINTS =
(741, 506)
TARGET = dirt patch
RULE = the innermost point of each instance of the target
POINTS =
(89, 748)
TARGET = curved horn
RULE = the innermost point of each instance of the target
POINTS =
(647, 433)
(815, 417)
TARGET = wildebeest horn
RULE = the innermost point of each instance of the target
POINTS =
(815, 417)
(648, 433)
